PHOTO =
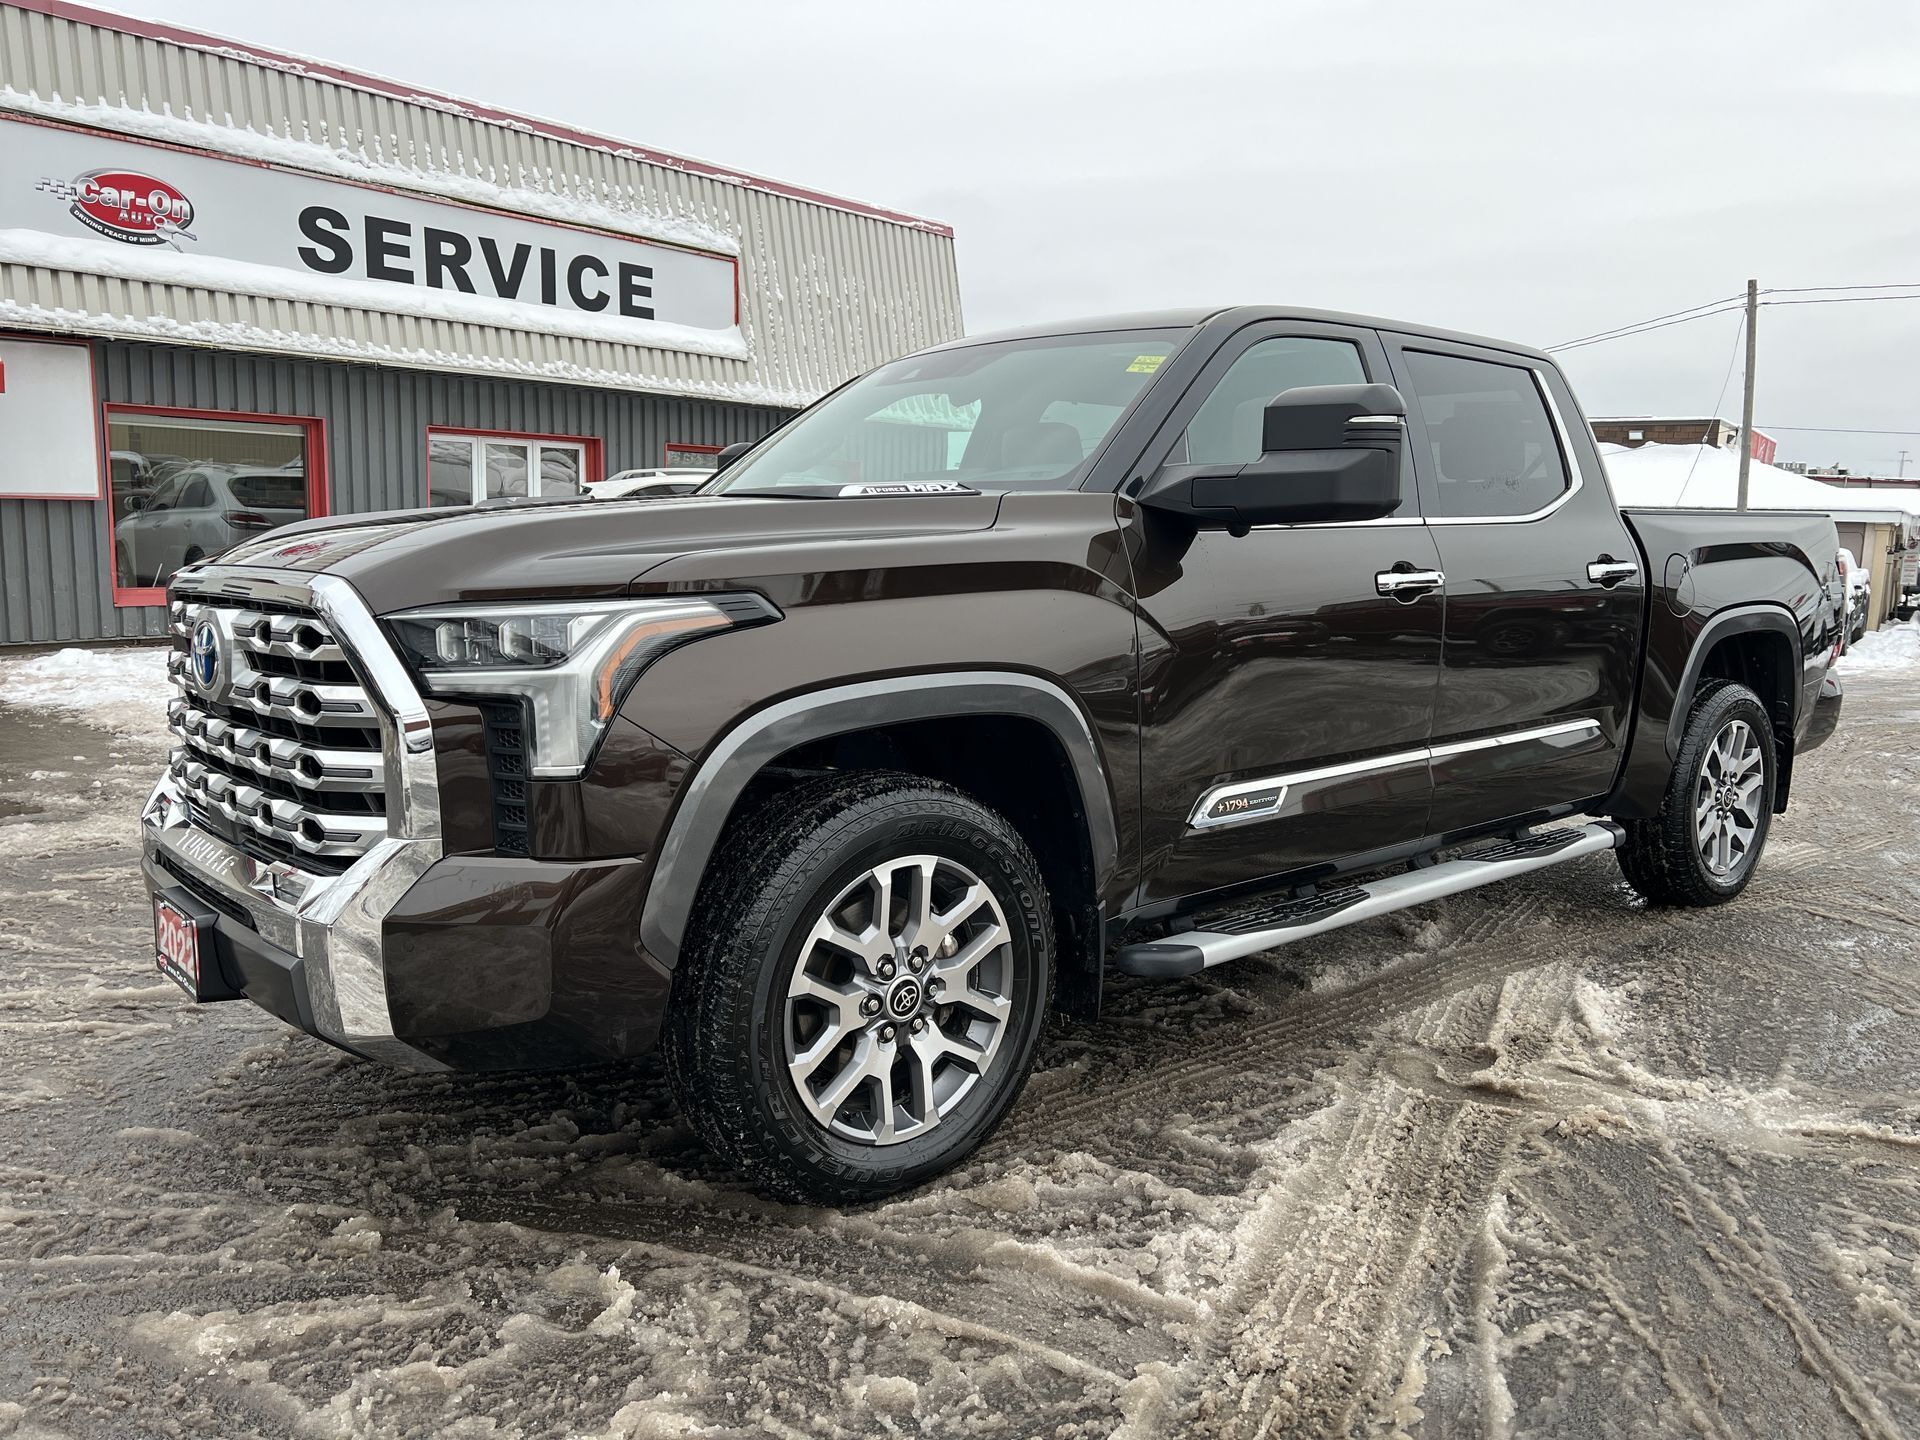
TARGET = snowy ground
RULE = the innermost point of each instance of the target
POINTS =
(1537, 1162)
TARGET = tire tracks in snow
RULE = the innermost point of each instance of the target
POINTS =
(1344, 1259)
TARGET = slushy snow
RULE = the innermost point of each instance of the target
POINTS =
(121, 687)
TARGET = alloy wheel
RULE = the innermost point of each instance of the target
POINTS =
(1727, 794)
(899, 999)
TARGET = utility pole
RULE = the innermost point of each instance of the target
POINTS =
(1746, 402)
(1903, 464)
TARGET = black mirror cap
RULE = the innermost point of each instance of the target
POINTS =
(1302, 487)
(1327, 417)
(731, 453)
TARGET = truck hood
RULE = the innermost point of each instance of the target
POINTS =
(400, 559)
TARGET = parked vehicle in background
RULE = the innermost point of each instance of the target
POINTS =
(1136, 645)
(671, 480)
(198, 511)
(1859, 594)
(1908, 603)
(130, 472)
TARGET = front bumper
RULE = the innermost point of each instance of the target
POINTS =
(423, 961)
(408, 956)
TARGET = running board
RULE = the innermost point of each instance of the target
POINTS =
(1272, 924)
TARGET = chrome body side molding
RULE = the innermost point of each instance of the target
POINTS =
(1242, 802)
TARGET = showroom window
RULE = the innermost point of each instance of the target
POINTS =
(184, 485)
(466, 467)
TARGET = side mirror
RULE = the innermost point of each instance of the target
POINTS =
(1330, 453)
(134, 503)
(731, 453)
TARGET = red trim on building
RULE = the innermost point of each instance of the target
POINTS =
(674, 447)
(100, 486)
(374, 84)
(593, 463)
(319, 489)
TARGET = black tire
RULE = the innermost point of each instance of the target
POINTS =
(777, 870)
(1662, 857)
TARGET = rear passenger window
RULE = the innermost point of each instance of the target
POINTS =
(1493, 447)
(1226, 429)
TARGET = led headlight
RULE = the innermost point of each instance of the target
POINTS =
(572, 661)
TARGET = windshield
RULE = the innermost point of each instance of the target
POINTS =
(1008, 415)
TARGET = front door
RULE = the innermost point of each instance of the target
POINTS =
(1544, 595)
(1286, 701)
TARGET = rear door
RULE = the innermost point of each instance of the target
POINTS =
(1544, 595)
(1286, 694)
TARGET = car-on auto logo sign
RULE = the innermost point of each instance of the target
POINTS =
(126, 205)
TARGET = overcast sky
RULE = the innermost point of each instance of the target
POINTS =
(1530, 170)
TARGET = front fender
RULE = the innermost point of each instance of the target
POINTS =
(711, 792)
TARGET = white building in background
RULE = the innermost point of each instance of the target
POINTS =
(1880, 526)
(238, 287)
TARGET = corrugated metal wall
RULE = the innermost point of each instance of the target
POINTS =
(828, 292)
(54, 583)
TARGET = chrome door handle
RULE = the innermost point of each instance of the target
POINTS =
(1611, 572)
(1408, 584)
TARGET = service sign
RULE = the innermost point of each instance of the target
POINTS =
(261, 230)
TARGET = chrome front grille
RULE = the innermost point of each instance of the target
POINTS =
(280, 747)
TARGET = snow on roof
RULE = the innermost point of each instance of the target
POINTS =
(305, 67)
(1709, 477)
(1660, 420)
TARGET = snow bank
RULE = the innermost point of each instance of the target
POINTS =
(1892, 647)
(123, 688)
(1706, 476)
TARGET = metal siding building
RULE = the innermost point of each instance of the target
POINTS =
(823, 289)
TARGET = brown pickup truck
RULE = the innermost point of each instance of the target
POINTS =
(1135, 645)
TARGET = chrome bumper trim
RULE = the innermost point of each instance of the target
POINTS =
(331, 921)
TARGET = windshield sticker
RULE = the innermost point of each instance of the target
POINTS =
(911, 487)
(1145, 364)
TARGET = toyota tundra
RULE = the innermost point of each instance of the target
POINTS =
(1134, 646)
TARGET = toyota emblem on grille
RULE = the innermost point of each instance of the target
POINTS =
(203, 657)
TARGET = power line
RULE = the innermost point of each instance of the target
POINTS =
(1603, 334)
(1840, 299)
(1804, 289)
(1682, 317)
(1833, 430)
(1645, 328)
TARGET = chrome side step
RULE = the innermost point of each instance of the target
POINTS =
(1271, 924)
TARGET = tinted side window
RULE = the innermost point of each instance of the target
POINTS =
(1492, 444)
(1226, 429)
